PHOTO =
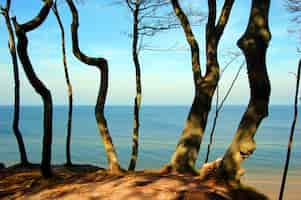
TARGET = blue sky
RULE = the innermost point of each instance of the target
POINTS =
(166, 76)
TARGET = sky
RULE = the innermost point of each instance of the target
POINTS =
(166, 75)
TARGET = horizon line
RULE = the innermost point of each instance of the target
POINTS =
(40, 105)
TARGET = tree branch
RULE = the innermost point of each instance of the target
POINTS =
(224, 17)
(194, 47)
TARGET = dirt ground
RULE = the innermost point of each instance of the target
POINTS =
(90, 182)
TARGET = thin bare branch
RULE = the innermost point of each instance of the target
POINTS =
(223, 19)
(219, 106)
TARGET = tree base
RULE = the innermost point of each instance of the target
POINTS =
(170, 169)
(68, 164)
(2, 166)
(46, 172)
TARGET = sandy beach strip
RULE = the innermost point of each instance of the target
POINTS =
(270, 185)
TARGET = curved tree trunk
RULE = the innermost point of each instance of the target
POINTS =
(254, 44)
(102, 65)
(186, 153)
(12, 50)
(70, 96)
(135, 143)
(40, 88)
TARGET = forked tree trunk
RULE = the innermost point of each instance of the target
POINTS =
(69, 86)
(102, 65)
(40, 88)
(254, 43)
(12, 50)
(186, 153)
(135, 143)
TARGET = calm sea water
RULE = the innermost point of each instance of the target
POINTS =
(160, 130)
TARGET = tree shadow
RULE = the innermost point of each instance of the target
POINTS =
(90, 182)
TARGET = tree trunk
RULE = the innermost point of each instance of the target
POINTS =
(12, 50)
(102, 65)
(135, 143)
(292, 131)
(69, 86)
(186, 153)
(40, 88)
(254, 44)
(2, 166)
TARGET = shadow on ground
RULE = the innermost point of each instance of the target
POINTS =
(90, 182)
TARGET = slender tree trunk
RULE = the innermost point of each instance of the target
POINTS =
(69, 86)
(213, 125)
(254, 44)
(102, 65)
(135, 143)
(291, 138)
(40, 88)
(218, 109)
(12, 50)
(186, 153)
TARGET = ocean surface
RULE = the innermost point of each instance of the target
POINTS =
(159, 133)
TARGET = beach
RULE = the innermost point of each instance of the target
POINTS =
(160, 130)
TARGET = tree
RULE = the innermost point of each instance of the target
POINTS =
(102, 65)
(253, 43)
(149, 18)
(185, 155)
(69, 86)
(292, 131)
(135, 8)
(293, 6)
(40, 88)
(12, 49)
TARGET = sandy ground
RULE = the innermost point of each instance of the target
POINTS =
(270, 186)
(88, 182)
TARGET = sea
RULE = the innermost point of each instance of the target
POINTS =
(160, 128)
